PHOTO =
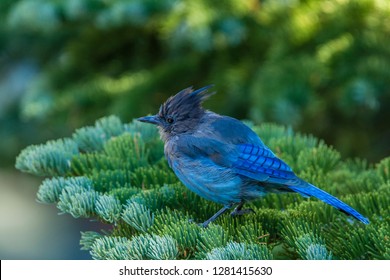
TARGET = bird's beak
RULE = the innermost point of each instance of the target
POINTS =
(150, 119)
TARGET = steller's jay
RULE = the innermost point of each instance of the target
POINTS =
(223, 160)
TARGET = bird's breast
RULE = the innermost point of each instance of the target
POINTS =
(205, 178)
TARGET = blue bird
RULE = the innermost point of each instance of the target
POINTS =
(223, 160)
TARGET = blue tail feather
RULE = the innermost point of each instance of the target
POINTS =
(310, 190)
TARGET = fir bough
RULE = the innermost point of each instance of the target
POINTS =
(116, 173)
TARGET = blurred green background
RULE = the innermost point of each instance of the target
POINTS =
(322, 67)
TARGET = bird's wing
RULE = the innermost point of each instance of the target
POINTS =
(260, 163)
(201, 148)
(230, 131)
(252, 161)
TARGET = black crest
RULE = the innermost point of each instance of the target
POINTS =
(187, 104)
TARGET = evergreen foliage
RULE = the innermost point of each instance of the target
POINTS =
(240, 251)
(116, 173)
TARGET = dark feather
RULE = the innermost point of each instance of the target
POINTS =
(187, 104)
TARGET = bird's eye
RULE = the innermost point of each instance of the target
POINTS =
(169, 120)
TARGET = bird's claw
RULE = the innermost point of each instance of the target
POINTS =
(202, 225)
(239, 212)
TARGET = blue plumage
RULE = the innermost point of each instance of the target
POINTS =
(307, 189)
(222, 159)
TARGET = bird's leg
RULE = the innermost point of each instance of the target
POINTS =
(238, 211)
(215, 216)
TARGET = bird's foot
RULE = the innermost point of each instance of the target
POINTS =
(239, 212)
(203, 225)
(213, 218)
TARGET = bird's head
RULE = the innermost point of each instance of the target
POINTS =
(181, 113)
